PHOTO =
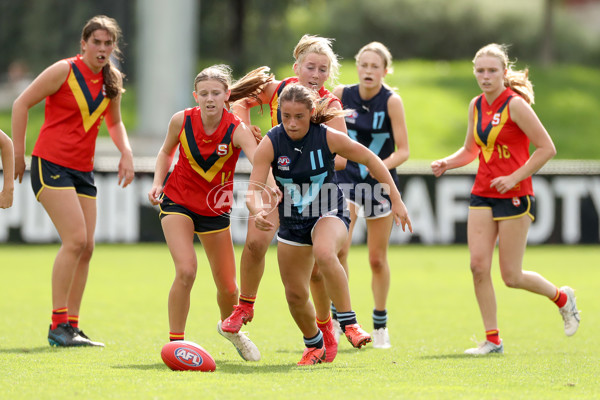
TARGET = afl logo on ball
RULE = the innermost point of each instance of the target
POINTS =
(188, 357)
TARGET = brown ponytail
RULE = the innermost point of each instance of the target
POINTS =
(301, 94)
(251, 85)
(112, 84)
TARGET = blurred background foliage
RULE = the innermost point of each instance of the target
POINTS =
(247, 33)
(544, 30)
(432, 42)
(39, 32)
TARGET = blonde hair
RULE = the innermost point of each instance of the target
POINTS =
(381, 50)
(251, 85)
(112, 84)
(315, 44)
(300, 94)
(517, 80)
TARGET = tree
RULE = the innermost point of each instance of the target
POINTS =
(547, 54)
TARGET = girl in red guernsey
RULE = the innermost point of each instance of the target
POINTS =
(80, 92)
(501, 126)
(209, 139)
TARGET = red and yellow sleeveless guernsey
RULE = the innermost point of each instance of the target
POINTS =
(205, 162)
(324, 94)
(73, 116)
(504, 146)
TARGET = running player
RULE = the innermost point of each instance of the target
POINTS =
(314, 222)
(501, 126)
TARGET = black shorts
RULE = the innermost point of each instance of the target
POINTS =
(45, 174)
(302, 235)
(505, 208)
(202, 223)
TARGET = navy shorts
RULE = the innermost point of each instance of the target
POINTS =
(45, 174)
(202, 223)
(301, 235)
(505, 208)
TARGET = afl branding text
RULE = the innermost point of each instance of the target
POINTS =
(283, 163)
(351, 118)
(188, 357)
(234, 194)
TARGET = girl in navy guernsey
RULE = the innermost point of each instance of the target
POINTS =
(501, 126)
(377, 121)
(313, 217)
(315, 63)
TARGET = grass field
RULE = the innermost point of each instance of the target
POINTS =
(432, 316)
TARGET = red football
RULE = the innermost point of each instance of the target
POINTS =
(182, 355)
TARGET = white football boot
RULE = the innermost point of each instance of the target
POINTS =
(486, 347)
(381, 338)
(337, 329)
(244, 346)
(569, 312)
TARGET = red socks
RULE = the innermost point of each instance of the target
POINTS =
(493, 336)
(74, 321)
(59, 316)
(247, 300)
(560, 299)
(176, 336)
(323, 323)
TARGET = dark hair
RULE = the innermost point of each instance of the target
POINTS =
(298, 93)
(112, 84)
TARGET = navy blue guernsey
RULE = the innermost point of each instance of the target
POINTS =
(370, 125)
(303, 170)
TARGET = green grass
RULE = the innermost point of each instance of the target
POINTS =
(436, 96)
(432, 315)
